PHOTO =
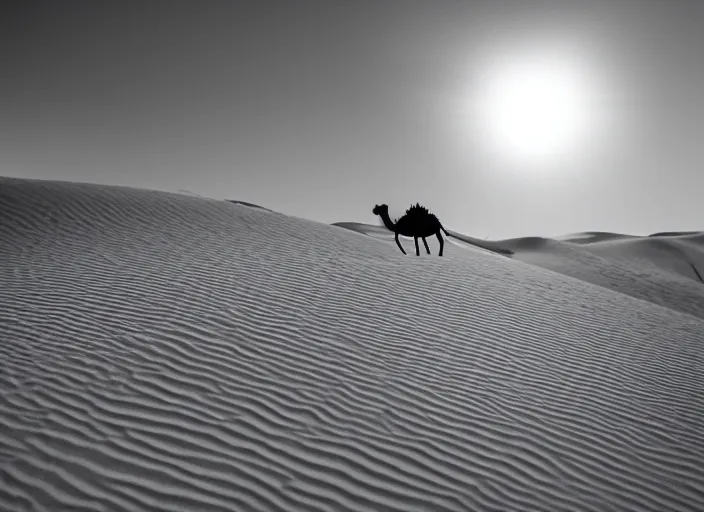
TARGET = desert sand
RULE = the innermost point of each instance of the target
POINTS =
(160, 351)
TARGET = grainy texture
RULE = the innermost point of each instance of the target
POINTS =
(165, 352)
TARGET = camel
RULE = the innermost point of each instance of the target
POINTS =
(417, 222)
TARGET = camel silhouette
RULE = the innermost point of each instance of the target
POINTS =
(417, 222)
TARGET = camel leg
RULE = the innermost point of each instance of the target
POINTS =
(399, 244)
(426, 245)
(417, 250)
(442, 243)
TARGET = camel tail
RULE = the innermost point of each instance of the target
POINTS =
(445, 231)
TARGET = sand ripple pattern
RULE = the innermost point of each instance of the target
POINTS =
(165, 352)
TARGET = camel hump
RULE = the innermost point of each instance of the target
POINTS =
(417, 211)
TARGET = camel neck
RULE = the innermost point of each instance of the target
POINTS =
(387, 222)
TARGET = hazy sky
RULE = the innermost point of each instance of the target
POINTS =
(321, 109)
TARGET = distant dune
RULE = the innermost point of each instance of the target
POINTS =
(661, 271)
(699, 234)
(366, 229)
(167, 352)
(590, 237)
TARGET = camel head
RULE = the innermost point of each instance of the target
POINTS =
(381, 209)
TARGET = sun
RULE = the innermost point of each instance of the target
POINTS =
(535, 107)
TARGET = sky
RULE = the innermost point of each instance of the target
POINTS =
(323, 108)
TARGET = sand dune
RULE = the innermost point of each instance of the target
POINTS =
(663, 271)
(365, 229)
(167, 352)
(683, 234)
(667, 269)
(245, 203)
(590, 237)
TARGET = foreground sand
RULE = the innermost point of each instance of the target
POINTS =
(166, 352)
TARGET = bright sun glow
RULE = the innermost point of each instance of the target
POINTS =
(535, 108)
